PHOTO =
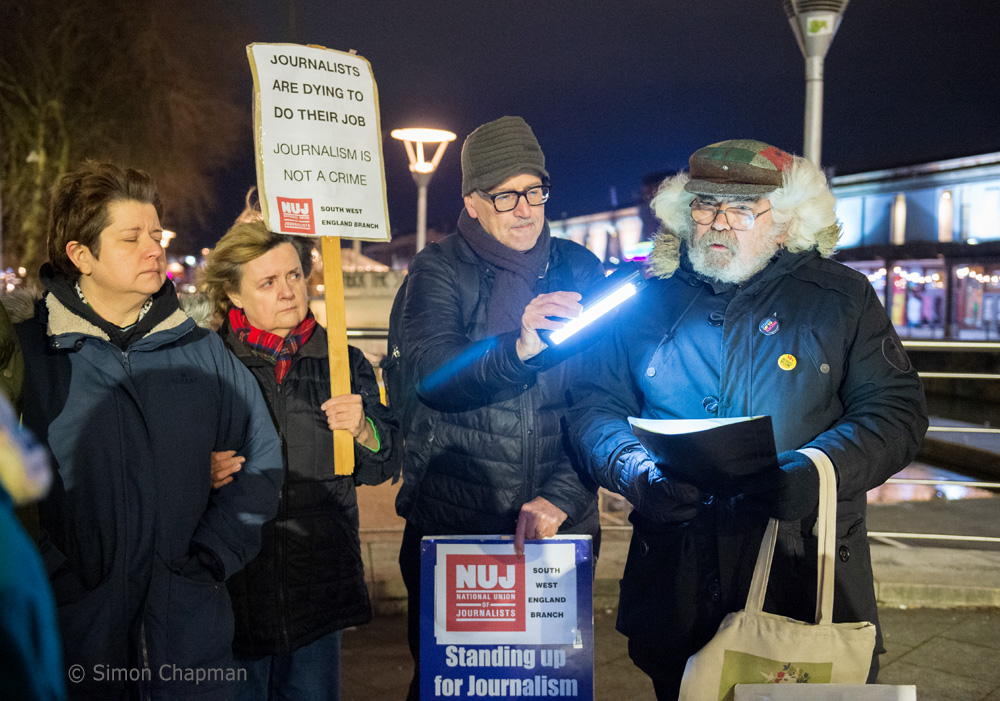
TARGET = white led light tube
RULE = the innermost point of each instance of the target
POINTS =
(594, 312)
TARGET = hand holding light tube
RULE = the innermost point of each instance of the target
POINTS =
(602, 298)
(545, 313)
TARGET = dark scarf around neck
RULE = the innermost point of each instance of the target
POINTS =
(517, 272)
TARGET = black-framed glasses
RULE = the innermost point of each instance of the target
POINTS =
(739, 217)
(507, 200)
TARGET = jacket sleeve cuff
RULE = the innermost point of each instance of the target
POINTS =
(567, 506)
(226, 562)
(212, 563)
(378, 441)
(517, 368)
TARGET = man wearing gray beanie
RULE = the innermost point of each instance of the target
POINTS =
(485, 451)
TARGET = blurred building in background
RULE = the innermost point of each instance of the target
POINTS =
(928, 237)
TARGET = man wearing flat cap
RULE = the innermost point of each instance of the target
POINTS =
(748, 317)
(485, 450)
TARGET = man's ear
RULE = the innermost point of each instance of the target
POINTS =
(80, 256)
(470, 206)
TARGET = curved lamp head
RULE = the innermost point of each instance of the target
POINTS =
(409, 137)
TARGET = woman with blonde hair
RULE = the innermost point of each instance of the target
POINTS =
(307, 584)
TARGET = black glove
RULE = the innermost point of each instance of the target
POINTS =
(789, 493)
(656, 497)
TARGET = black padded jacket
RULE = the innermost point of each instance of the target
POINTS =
(489, 434)
(308, 579)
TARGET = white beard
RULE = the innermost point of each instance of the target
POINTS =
(731, 265)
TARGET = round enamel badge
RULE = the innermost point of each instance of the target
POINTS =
(769, 326)
(787, 362)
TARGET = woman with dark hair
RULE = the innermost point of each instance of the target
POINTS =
(293, 602)
(131, 398)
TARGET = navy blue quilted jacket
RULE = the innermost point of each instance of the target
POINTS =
(134, 539)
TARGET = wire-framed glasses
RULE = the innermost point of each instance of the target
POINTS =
(739, 216)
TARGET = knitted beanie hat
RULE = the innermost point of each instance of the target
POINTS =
(499, 150)
(737, 168)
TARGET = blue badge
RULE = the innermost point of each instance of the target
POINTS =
(770, 325)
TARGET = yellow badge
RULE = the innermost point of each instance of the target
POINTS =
(787, 362)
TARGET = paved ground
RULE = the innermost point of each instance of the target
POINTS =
(947, 654)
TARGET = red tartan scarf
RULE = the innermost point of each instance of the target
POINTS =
(271, 347)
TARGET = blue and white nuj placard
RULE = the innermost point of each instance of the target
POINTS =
(496, 625)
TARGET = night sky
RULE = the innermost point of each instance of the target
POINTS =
(618, 90)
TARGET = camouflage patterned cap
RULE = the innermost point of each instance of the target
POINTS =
(737, 168)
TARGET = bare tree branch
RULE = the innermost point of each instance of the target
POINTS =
(142, 84)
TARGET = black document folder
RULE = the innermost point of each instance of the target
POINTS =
(715, 455)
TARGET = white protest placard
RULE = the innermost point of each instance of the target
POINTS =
(318, 142)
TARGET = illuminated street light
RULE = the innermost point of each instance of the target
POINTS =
(422, 169)
(814, 22)
(166, 237)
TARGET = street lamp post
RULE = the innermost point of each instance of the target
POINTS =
(814, 23)
(421, 169)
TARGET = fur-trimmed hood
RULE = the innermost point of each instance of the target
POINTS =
(20, 303)
(666, 254)
(163, 305)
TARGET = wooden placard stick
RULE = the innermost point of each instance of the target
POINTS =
(336, 334)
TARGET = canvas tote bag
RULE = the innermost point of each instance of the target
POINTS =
(754, 647)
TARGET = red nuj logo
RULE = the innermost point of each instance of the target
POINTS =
(485, 593)
(296, 215)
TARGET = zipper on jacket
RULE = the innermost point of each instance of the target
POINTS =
(527, 436)
(144, 685)
(146, 674)
(279, 544)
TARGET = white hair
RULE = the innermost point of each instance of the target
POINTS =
(198, 306)
(802, 208)
(672, 205)
(20, 302)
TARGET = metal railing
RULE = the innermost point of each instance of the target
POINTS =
(369, 334)
(963, 347)
(971, 346)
